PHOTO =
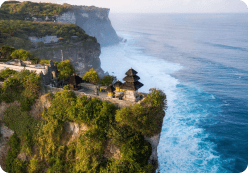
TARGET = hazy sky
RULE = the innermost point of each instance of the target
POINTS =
(162, 6)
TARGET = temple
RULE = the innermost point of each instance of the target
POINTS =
(127, 90)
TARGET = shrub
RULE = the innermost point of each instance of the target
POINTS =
(35, 60)
(136, 149)
(6, 51)
(155, 98)
(21, 54)
(12, 153)
(65, 69)
(91, 76)
(146, 117)
(19, 166)
(19, 121)
(26, 103)
(66, 87)
(108, 79)
(35, 165)
(119, 135)
(4, 74)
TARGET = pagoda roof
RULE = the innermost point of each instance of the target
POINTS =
(131, 72)
(110, 88)
(132, 85)
(131, 78)
(117, 84)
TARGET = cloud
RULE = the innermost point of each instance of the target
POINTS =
(246, 2)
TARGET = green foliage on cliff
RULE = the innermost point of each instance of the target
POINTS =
(11, 162)
(6, 73)
(65, 69)
(107, 80)
(6, 51)
(21, 54)
(20, 10)
(145, 117)
(104, 124)
(23, 86)
(91, 76)
(19, 121)
(15, 33)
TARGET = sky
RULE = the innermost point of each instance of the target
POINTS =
(161, 6)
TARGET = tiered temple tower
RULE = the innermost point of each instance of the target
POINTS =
(131, 85)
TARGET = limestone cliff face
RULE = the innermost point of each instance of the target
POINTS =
(83, 55)
(94, 22)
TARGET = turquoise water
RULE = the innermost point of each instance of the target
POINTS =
(201, 63)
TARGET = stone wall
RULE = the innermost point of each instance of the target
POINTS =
(117, 102)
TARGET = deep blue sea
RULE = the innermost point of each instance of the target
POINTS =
(201, 62)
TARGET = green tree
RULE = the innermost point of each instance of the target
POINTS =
(91, 76)
(40, 44)
(6, 51)
(107, 80)
(6, 73)
(21, 54)
(65, 69)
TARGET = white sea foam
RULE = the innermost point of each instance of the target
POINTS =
(182, 147)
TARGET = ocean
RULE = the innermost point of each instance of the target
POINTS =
(201, 62)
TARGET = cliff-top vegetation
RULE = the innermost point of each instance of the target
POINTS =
(16, 33)
(16, 10)
(20, 10)
(46, 142)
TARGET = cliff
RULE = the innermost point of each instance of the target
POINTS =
(95, 23)
(93, 20)
(83, 55)
(91, 141)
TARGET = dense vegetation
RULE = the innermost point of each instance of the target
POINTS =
(20, 10)
(107, 80)
(23, 86)
(105, 123)
(15, 33)
(91, 76)
(15, 10)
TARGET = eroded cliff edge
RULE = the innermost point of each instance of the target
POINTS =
(94, 21)
(72, 133)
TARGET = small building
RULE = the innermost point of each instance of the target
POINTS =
(131, 85)
(74, 82)
(117, 85)
(110, 89)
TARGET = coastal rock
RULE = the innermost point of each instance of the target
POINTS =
(111, 151)
(154, 141)
(94, 21)
(74, 130)
(83, 55)
(23, 156)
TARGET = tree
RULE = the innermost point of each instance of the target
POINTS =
(91, 76)
(65, 69)
(6, 51)
(40, 44)
(21, 54)
(107, 80)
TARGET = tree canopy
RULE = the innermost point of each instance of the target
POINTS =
(21, 54)
(107, 80)
(6, 51)
(91, 76)
(65, 69)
